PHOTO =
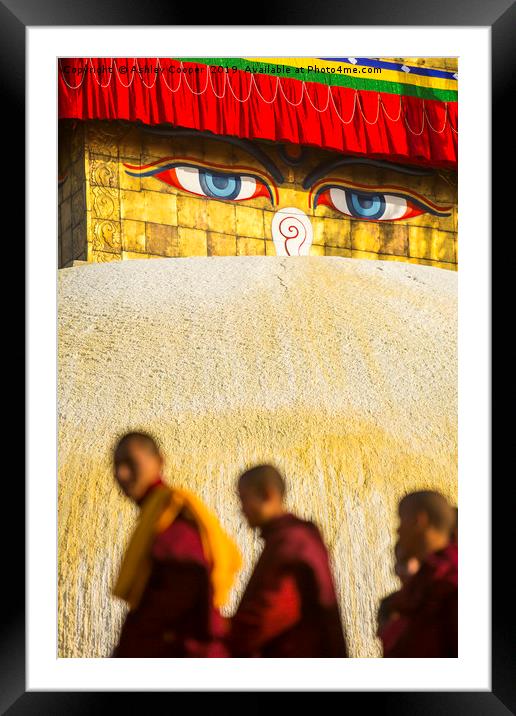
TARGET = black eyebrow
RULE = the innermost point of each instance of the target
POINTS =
(244, 144)
(330, 165)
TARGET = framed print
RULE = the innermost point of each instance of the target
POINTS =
(258, 370)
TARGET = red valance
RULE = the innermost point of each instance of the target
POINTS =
(395, 127)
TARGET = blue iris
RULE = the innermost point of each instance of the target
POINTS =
(219, 186)
(365, 206)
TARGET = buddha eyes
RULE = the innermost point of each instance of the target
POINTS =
(374, 205)
(240, 183)
(206, 181)
(216, 185)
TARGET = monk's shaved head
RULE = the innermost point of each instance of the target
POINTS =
(137, 463)
(438, 510)
(261, 491)
(263, 479)
(143, 439)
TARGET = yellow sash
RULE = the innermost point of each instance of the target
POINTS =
(158, 512)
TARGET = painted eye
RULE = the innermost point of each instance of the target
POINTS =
(205, 181)
(216, 185)
(369, 206)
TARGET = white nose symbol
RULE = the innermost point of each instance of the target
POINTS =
(291, 232)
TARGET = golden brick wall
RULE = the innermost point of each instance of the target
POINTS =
(71, 204)
(448, 64)
(126, 217)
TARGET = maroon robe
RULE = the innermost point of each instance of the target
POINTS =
(176, 616)
(424, 622)
(289, 608)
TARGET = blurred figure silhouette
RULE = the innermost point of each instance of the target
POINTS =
(289, 608)
(178, 567)
(390, 622)
(455, 528)
(424, 611)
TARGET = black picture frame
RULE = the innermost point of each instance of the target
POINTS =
(15, 16)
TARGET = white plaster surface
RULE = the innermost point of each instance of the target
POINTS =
(342, 372)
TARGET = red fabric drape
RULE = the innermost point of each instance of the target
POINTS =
(388, 126)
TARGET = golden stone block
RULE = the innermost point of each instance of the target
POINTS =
(420, 242)
(105, 235)
(270, 249)
(155, 146)
(366, 236)
(102, 256)
(336, 251)
(162, 240)
(332, 232)
(131, 256)
(260, 202)
(368, 175)
(221, 217)
(66, 246)
(364, 255)
(78, 207)
(125, 181)
(77, 175)
(132, 205)
(103, 202)
(392, 257)
(267, 224)
(316, 250)
(129, 145)
(192, 242)
(102, 171)
(438, 188)
(133, 236)
(432, 244)
(221, 244)
(79, 240)
(192, 212)
(443, 247)
(249, 222)
(215, 151)
(324, 212)
(66, 186)
(293, 196)
(156, 185)
(394, 239)
(249, 246)
(421, 262)
(289, 174)
(445, 189)
(65, 214)
(444, 265)
(439, 223)
(77, 141)
(148, 206)
(103, 137)
(160, 208)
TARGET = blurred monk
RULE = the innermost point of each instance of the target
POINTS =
(289, 608)
(390, 622)
(427, 602)
(455, 528)
(178, 567)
